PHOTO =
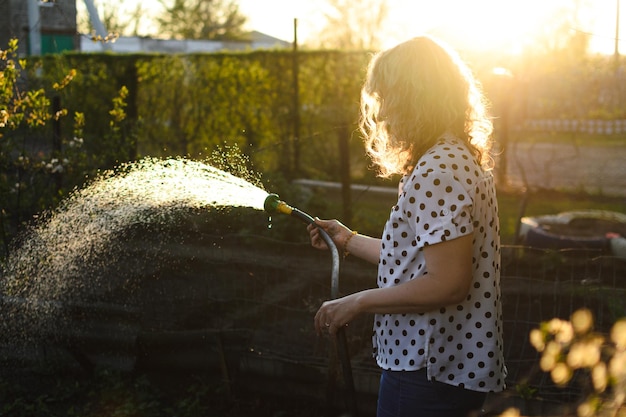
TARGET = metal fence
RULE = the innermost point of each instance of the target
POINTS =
(591, 126)
(269, 299)
(241, 307)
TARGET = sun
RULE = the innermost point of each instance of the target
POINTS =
(506, 26)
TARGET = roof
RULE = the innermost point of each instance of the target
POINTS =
(131, 44)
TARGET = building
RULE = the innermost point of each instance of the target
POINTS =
(44, 27)
(133, 44)
(40, 26)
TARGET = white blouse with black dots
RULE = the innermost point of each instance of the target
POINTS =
(448, 195)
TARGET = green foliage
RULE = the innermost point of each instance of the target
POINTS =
(562, 85)
(116, 108)
(43, 155)
(193, 105)
(103, 91)
(19, 108)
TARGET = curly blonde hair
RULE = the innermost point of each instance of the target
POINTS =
(415, 93)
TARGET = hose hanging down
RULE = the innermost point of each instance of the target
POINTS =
(273, 204)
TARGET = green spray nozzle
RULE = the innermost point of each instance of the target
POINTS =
(273, 204)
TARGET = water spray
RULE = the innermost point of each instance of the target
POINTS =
(273, 204)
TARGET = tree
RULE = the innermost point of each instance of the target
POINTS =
(129, 25)
(41, 160)
(560, 35)
(116, 19)
(353, 24)
(201, 19)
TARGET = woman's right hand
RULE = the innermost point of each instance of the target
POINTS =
(335, 229)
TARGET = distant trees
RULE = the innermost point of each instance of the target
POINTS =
(560, 34)
(201, 19)
(115, 19)
(123, 23)
(353, 24)
(178, 19)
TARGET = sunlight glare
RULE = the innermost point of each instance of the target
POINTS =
(507, 27)
(477, 25)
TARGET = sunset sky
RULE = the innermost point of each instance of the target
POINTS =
(503, 25)
(482, 24)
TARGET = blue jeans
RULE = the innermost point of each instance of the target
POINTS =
(411, 394)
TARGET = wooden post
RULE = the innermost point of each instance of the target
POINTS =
(296, 102)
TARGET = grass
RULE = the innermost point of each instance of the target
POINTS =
(114, 394)
(514, 205)
(370, 211)
(570, 138)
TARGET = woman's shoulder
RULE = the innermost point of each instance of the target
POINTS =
(447, 162)
(448, 153)
(450, 146)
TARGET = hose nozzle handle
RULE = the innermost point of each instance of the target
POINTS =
(273, 204)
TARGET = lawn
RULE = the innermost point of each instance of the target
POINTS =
(514, 205)
(370, 210)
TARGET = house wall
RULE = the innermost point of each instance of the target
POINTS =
(133, 44)
(59, 33)
(58, 25)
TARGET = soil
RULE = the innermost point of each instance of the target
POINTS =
(221, 326)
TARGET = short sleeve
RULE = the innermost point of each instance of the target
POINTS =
(437, 207)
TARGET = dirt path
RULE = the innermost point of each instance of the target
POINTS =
(597, 170)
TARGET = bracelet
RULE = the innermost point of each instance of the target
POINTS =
(345, 244)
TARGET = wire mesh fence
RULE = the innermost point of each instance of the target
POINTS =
(271, 295)
(242, 307)
(541, 284)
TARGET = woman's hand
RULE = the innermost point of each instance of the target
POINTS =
(337, 232)
(335, 314)
(361, 246)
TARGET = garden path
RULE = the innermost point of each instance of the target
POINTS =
(567, 167)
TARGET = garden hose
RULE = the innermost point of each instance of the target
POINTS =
(273, 204)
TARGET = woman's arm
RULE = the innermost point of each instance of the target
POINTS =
(447, 282)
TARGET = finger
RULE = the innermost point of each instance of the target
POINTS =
(334, 329)
(317, 241)
(321, 223)
(322, 326)
(318, 323)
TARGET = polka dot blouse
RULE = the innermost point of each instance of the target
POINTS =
(446, 196)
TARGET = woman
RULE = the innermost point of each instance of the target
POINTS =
(438, 323)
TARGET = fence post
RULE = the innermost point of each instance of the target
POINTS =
(296, 102)
(56, 141)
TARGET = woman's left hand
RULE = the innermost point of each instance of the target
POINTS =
(335, 314)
